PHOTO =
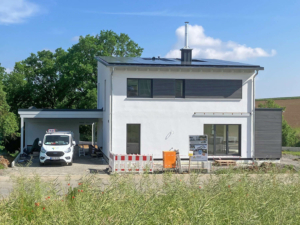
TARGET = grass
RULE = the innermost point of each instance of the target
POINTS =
(287, 152)
(2, 166)
(156, 199)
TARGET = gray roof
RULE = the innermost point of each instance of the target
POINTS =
(171, 62)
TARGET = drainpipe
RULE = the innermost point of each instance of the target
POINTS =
(253, 115)
(111, 102)
(93, 134)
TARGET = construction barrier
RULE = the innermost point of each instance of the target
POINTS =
(130, 163)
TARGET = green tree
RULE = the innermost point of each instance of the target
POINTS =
(8, 120)
(79, 71)
(289, 135)
(65, 79)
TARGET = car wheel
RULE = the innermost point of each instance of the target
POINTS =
(42, 164)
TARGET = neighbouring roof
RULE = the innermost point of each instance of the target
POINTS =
(172, 62)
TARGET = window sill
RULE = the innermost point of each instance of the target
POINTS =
(182, 99)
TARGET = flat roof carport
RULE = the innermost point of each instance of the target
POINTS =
(86, 114)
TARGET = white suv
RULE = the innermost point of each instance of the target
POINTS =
(57, 147)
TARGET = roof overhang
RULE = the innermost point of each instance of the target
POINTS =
(61, 113)
(186, 66)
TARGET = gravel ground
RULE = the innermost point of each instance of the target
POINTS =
(291, 160)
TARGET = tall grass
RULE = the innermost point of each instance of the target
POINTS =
(156, 199)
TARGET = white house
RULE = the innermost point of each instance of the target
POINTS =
(149, 105)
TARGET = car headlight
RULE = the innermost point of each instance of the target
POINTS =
(43, 150)
(68, 150)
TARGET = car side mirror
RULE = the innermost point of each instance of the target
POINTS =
(40, 143)
(73, 143)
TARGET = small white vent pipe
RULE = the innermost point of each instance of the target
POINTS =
(186, 35)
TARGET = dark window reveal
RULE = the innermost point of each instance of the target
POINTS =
(179, 89)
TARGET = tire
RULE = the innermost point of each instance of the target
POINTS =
(70, 164)
(42, 164)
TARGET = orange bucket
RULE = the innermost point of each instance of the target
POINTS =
(169, 159)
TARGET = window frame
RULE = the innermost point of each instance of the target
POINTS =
(138, 79)
(183, 87)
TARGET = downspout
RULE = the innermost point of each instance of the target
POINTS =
(253, 115)
(111, 102)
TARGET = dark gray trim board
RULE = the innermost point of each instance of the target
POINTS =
(268, 133)
(213, 88)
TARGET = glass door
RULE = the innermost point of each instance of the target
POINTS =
(223, 139)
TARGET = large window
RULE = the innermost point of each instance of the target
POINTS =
(184, 88)
(139, 88)
(223, 139)
(133, 138)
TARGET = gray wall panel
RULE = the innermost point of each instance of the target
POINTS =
(163, 88)
(268, 133)
(213, 88)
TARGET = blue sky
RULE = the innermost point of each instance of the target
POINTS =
(256, 32)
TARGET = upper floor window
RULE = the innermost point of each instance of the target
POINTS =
(139, 88)
(185, 88)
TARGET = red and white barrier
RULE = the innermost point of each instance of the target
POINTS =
(130, 163)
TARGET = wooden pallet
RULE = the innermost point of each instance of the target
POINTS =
(225, 162)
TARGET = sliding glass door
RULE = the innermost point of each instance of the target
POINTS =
(223, 139)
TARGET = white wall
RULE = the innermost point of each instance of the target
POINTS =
(104, 80)
(167, 123)
(36, 128)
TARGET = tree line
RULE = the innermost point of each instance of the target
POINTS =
(63, 79)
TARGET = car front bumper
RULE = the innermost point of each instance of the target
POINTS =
(66, 158)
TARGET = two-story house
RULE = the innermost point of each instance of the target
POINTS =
(149, 105)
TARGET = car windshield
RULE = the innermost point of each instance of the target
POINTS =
(57, 140)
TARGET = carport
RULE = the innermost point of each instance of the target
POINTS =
(35, 122)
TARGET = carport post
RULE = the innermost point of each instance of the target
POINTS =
(22, 134)
(93, 133)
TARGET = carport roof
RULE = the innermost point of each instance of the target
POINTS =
(61, 113)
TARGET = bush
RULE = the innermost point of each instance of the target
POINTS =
(167, 199)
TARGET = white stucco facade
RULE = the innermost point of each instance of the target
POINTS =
(167, 123)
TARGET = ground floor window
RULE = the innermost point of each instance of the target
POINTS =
(133, 138)
(223, 139)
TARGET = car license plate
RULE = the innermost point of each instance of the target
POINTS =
(54, 158)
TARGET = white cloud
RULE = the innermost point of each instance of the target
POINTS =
(16, 11)
(75, 39)
(8, 70)
(213, 48)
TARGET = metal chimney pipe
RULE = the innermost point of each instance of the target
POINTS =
(186, 35)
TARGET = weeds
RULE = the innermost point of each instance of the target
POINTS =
(156, 199)
(287, 152)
